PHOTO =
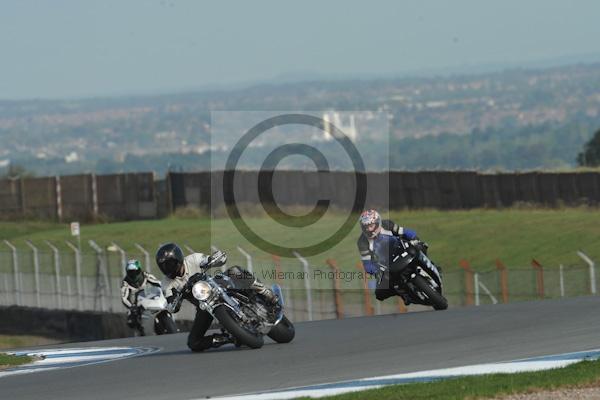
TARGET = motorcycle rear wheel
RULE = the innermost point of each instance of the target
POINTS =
(283, 332)
(438, 302)
(231, 325)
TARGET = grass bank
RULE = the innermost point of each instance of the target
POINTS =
(586, 373)
(515, 236)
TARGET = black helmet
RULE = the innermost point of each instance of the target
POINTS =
(134, 273)
(169, 259)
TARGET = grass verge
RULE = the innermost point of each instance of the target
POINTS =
(9, 360)
(582, 374)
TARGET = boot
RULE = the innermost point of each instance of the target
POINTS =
(219, 339)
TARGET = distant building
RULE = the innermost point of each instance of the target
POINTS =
(334, 118)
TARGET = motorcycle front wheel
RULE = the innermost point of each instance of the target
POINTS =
(164, 324)
(438, 302)
(228, 319)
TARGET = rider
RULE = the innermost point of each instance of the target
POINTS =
(372, 226)
(178, 269)
(135, 280)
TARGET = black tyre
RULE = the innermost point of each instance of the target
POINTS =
(436, 300)
(244, 336)
(283, 332)
(165, 324)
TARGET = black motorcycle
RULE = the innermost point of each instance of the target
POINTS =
(242, 312)
(410, 272)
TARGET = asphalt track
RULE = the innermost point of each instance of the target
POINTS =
(326, 351)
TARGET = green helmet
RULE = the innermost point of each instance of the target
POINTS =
(134, 273)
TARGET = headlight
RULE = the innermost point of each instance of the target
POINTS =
(201, 290)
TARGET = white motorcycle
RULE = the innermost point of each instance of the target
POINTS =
(154, 313)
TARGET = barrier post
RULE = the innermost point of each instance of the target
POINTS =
(469, 292)
(249, 265)
(101, 272)
(561, 280)
(503, 280)
(58, 291)
(36, 269)
(592, 266)
(367, 295)
(337, 298)
(305, 267)
(16, 273)
(77, 252)
(146, 257)
(539, 277)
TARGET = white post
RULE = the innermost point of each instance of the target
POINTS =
(592, 266)
(36, 269)
(122, 252)
(146, 257)
(59, 210)
(77, 253)
(488, 292)
(95, 195)
(561, 280)
(476, 284)
(249, 265)
(17, 275)
(68, 278)
(305, 266)
(99, 254)
(56, 274)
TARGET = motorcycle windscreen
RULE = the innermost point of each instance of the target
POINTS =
(384, 248)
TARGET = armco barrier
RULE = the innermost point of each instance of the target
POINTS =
(67, 325)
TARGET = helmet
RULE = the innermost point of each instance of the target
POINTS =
(134, 273)
(169, 259)
(370, 223)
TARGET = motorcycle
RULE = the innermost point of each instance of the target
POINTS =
(243, 313)
(153, 312)
(411, 274)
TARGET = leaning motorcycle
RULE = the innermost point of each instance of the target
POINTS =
(411, 274)
(153, 312)
(242, 313)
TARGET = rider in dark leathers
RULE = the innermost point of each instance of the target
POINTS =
(178, 269)
(372, 226)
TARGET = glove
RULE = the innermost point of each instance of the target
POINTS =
(174, 302)
(217, 259)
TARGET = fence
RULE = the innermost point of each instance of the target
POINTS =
(71, 279)
(138, 196)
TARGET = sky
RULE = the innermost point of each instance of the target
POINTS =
(74, 48)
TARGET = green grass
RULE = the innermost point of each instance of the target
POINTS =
(585, 373)
(8, 360)
(480, 236)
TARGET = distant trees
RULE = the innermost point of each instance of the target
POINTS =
(590, 156)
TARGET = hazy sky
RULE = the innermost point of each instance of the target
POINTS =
(66, 48)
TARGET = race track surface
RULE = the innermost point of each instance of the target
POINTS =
(326, 351)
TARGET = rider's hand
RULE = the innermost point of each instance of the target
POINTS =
(217, 258)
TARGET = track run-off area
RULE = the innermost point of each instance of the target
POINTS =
(322, 352)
